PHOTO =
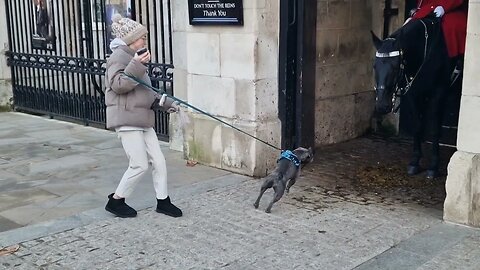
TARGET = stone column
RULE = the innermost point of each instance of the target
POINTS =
(232, 73)
(5, 77)
(462, 204)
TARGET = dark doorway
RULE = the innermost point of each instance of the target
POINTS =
(297, 72)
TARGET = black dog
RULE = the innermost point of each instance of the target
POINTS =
(288, 169)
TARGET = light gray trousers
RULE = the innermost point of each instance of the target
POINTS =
(142, 148)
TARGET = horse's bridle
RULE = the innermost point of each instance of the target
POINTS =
(402, 91)
(399, 91)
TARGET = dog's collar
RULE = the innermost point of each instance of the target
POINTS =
(287, 154)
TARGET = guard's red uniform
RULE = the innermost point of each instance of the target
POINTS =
(454, 22)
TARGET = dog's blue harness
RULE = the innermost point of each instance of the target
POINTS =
(287, 154)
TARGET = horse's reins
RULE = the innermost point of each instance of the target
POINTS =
(161, 92)
(402, 91)
(402, 66)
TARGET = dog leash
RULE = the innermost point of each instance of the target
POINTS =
(159, 91)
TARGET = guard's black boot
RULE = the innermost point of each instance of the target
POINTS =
(119, 208)
(166, 207)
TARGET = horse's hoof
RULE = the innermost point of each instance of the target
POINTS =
(413, 170)
(432, 174)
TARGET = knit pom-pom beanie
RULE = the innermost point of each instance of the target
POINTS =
(127, 29)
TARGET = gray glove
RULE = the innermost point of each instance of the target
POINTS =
(174, 107)
(167, 104)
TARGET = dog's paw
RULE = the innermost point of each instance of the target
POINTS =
(268, 211)
(255, 205)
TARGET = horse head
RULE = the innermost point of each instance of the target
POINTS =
(388, 67)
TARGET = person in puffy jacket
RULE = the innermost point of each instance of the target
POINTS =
(130, 112)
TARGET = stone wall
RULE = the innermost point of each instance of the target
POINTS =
(230, 72)
(5, 77)
(344, 95)
(344, 86)
(462, 204)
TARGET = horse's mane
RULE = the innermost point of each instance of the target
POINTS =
(410, 38)
(417, 27)
(397, 39)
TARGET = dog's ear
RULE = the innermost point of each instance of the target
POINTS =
(303, 154)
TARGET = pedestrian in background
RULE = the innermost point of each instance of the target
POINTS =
(130, 111)
(42, 18)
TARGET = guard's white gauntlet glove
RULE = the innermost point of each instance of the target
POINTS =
(439, 11)
(174, 107)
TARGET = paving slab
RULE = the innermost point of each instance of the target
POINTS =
(222, 230)
(51, 169)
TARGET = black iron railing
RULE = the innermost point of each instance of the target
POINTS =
(58, 50)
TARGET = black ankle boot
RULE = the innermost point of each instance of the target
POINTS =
(166, 207)
(119, 208)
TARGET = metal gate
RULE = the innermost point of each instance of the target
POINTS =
(57, 52)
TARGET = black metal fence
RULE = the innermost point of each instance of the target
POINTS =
(58, 50)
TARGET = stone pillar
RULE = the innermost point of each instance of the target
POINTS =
(5, 77)
(232, 73)
(462, 204)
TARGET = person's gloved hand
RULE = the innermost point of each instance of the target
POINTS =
(174, 107)
(439, 11)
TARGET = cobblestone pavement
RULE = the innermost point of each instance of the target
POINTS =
(222, 230)
(373, 169)
(51, 169)
(353, 208)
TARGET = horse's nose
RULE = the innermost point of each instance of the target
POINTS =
(382, 105)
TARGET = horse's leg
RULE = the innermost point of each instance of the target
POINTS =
(432, 170)
(436, 127)
(417, 132)
(414, 165)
